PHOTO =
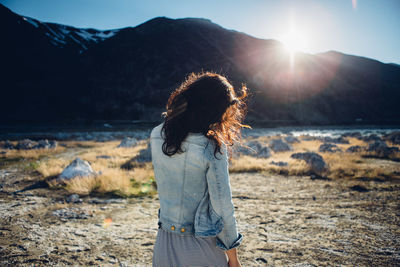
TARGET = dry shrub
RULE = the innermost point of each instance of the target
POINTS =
(52, 167)
(81, 185)
(248, 164)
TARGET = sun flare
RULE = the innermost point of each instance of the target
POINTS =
(294, 41)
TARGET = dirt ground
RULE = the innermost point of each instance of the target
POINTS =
(285, 221)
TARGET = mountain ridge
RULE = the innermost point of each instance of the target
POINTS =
(55, 72)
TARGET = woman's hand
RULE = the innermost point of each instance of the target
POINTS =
(234, 264)
(233, 258)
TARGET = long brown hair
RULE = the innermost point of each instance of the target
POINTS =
(204, 103)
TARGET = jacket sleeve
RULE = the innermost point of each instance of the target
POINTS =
(221, 199)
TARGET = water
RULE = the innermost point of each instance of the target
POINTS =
(115, 132)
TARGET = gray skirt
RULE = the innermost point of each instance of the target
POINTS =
(186, 250)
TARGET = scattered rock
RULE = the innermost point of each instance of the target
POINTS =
(106, 201)
(103, 157)
(277, 145)
(359, 188)
(352, 134)
(371, 138)
(319, 177)
(7, 145)
(128, 142)
(78, 167)
(369, 179)
(144, 155)
(314, 160)
(71, 213)
(291, 139)
(354, 149)
(261, 260)
(380, 148)
(279, 163)
(74, 198)
(255, 149)
(329, 148)
(104, 138)
(337, 140)
(26, 144)
(309, 138)
(393, 137)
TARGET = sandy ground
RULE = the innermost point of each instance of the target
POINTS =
(286, 221)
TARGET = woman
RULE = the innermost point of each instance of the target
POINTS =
(197, 226)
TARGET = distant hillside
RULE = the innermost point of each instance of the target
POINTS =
(52, 72)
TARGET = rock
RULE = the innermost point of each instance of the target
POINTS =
(279, 163)
(128, 142)
(319, 177)
(352, 134)
(329, 148)
(43, 144)
(380, 148)
(337, 140)
(104, 138)
(71, 213)
(26, 144)
(103, 157)
(314, 160)
(393, 137)
(291, 139)
(53, 144)
(8, 145)
(144, 155)
(74, 198)
(377, 145)
(309, 138)
(354, 149)
(359, 188)
(277, 145)
(77, 168)
(260, 259)
(106, 201)
(371, 138)
(255, 149)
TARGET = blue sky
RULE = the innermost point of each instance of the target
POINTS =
(369, 28)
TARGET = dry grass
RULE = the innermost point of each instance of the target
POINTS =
(52, 166)
(32, 153)
(341, 164)
(112, 179)
(140, 180)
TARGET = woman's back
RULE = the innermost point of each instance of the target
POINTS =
(181, 178)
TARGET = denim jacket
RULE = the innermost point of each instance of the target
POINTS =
(194, 190)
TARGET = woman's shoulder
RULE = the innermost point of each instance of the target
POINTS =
(210, 149)
(156, 131)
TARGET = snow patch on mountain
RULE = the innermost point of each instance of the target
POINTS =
(95, 37)
(31, 21)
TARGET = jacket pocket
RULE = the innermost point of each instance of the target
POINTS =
(207, 222)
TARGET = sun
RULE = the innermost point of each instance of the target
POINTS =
(294, 41)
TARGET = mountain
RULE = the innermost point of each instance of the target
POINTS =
(56, 73)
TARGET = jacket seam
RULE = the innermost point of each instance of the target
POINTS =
(183, 185)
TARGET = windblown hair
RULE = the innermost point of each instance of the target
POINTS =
(204, 103)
